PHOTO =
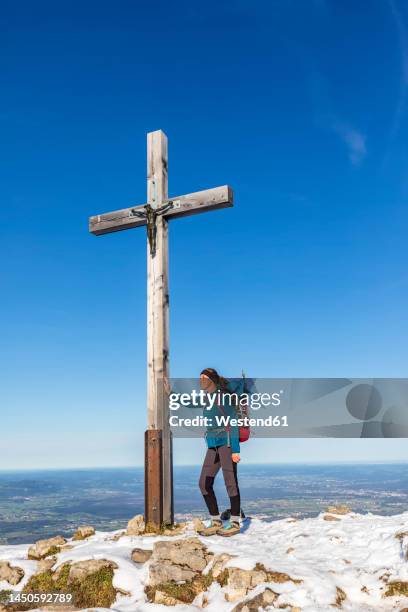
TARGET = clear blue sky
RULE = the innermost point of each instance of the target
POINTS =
(300, 106)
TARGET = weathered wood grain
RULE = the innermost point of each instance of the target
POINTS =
(184, 206)
(158, 313)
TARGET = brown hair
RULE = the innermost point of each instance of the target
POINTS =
(218, 380)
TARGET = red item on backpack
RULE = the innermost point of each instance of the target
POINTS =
(244, 430)
(244, 433)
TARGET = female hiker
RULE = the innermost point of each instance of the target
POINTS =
(222, 452)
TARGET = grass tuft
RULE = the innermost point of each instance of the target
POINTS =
(397, 587)
(222, 577)
(94, 591)
(4, 595)
(54, 550)
(278, 577)
(340, 597)
(185, 592)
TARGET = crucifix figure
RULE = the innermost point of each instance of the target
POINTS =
(151, 214)
(155, 215)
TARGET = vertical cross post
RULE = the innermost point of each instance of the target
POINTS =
(158, 344)
(158, 441)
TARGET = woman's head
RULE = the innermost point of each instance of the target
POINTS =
(210, 380)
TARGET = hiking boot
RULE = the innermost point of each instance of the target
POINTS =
(229, 528)
(209, 528)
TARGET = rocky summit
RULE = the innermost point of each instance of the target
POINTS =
(355, 563)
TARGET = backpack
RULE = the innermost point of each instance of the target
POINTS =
(240, 389)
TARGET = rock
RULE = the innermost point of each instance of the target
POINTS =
(178, 560)
(43, 548)
(11, 574)
(342, 509)
(175, 530)
(269, 596)
(281, 577)
(139, 555)
(241, 581)
(266, 598)
(166, 572)
(198, 524)
(397, 587)
(166, 600)
(83, 532)
(46, 564)
(80, 569)
(330, 517)
(136, 525)
(183, 591)
(290, 550)
(236, 594)
(190, 552)
(219, 563)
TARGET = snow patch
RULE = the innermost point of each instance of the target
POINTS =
(357, 554)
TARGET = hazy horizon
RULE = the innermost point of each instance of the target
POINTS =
(195, 465)
(39, 503)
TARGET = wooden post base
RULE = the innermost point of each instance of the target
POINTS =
(153, 477)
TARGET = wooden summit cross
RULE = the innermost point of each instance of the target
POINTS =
(155, 215)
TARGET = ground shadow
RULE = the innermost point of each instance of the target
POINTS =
(245, 524)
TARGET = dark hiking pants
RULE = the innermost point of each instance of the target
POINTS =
(216, 458)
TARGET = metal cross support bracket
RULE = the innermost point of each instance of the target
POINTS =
(151, 214)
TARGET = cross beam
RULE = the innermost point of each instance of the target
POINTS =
(182, 206)
(155, 215)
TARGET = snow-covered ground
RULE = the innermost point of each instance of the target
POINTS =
(358, 553)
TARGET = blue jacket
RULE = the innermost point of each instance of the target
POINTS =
(218, 434)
